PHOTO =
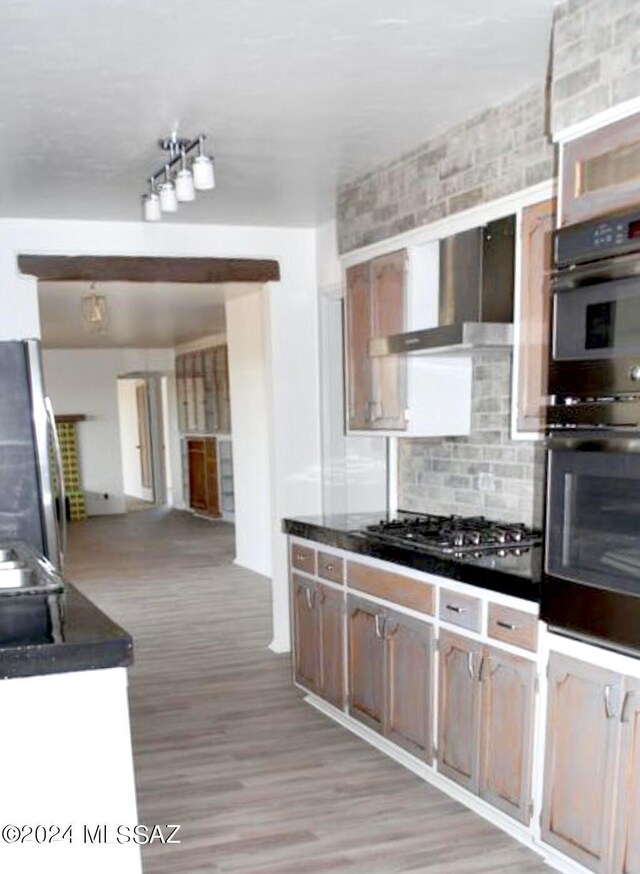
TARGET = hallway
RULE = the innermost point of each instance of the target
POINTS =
(259, 781)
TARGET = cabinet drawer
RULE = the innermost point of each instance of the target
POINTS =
(303, 558)
(392, 587)
(330, 567)
(513, 626)
(460, 610)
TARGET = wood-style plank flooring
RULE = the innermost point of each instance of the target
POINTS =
(225, 746)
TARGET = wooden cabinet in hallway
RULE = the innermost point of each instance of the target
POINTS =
(204, 494)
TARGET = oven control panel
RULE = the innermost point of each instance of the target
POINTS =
(599, 238)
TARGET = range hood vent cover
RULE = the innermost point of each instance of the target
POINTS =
(475, 296)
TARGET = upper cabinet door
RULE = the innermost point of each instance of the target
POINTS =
(506, 743)
(601, 171)
(388, 294)
(459, 709)
(579, 778)
(538, 223)
(627, 825)
(408, 683)
(358, 334)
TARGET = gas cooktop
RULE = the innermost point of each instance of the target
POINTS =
(463, 536)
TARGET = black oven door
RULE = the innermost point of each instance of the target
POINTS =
(591, 585)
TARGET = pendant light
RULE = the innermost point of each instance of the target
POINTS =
(151, 203)
(94, 311)
(185, 189)
(203, 175)
(168, 199)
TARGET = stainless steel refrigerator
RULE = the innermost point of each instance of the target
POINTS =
(32, 500)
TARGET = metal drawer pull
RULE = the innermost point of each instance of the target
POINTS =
(300, 557)
(328, 567)
(608, 704)
(628, 697)
(508, 625)
(455, 609)
(379, 631)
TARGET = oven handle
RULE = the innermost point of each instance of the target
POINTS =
(601, 441)
(592, 273)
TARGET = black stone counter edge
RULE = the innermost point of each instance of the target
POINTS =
(441, 566)
(92, 641)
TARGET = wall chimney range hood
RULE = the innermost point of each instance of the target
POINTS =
(475, 298)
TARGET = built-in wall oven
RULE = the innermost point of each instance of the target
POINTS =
(591, 585)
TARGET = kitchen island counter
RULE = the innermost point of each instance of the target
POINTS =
(58, 633)
(515, 575)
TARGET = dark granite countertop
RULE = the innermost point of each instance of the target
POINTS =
(58, 632)
(518, 576)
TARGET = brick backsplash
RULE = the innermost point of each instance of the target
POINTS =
(498, 152)
(486, 473)
(596, 58)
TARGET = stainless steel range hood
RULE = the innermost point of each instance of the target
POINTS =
(475, 299)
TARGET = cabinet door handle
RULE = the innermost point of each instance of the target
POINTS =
(470, 656)
(609, 704)
(626, 706)
(455, 609)
(300, 557)
(379, 626)
(508, 625)
(328, 567)
(311, 597)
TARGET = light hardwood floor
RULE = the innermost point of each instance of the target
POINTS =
(224, 745)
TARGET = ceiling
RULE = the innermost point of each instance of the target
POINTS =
(297, 96)
(142, 315)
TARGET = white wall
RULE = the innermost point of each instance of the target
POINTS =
(293, 337)
(251, 417)
(85, 381)
(130, 439)
(354, 469)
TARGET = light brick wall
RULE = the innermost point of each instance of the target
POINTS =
(484, 474)
(501, 151)
(596, 58)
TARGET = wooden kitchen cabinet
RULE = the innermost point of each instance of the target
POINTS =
(506, 732)
(408, 710)
(486, 723)
(579, 778)
(626, 857)
(600, 171)
(202, 460)
(534, 324)
(318, 639)
(459, 709)
(376, 388)
(390, 675)
(366, 662)
(306, 634)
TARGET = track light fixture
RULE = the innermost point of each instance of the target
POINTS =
(168, 188)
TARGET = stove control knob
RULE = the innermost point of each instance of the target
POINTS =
(634, 373)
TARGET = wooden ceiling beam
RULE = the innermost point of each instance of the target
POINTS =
(91, 268)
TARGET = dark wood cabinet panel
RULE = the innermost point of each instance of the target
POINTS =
(582, 732)
(331, 607)
(202, 458)
(375, 307)
(409, 684)
(506, 741)
(306, 633)
(601, 171)
(366, 663)
(534, 325)
(459, 709)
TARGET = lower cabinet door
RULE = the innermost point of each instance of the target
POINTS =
(459, 709)
(306, 634)
(627, 825)
(366, 662)
(331, 606)
(506, 735)
(409, 684)
(579, 779)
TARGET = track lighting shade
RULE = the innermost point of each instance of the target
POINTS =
(168, 199)
(151, 207)
(185, 189)
(203, 175)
